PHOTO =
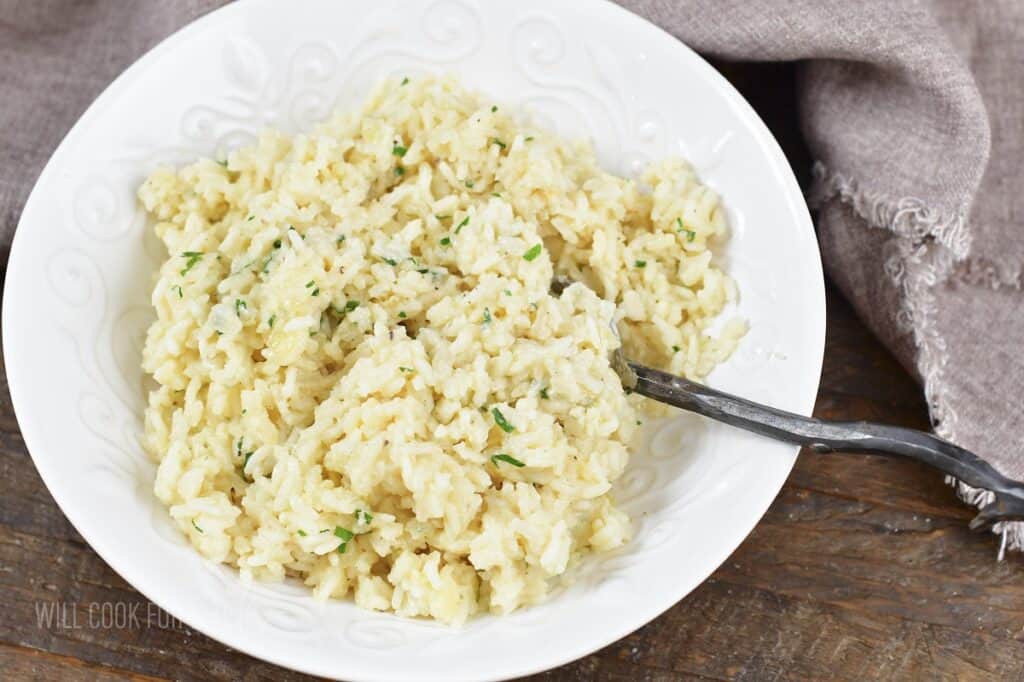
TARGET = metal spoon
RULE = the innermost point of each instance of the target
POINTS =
(826, 437)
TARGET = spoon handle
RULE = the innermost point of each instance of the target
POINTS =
(825, 437)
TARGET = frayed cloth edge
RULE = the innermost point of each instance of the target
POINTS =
(908, 217)
(933, 247)
(1012, 531)
(990, 273)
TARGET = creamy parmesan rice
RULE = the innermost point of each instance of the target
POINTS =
(363, 379)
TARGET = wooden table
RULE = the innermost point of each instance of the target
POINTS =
(863, 568)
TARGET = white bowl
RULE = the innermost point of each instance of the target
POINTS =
(76, 305)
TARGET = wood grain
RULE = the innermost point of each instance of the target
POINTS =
(18, 663)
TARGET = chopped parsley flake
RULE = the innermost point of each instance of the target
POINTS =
(196, 526)
(676, 349)
(533, 252)
(399, 151)
(509, 459)
(399, 171)
(302, 532)
(446, 241)
(487, 315)
(363, 517)
(239, 306)
(345, 535)
(223, 163)
(469, 184)
(311, 283)
(250, 219)
(406, 369)
(507, 292)
(178, 289)
(442, 217)
(315, 292)
(529, 139)
(347, 308)
(405, 81)
(544, 393)
(690, 234)
(465, 221)
(423, 271)
(390, 261)
(244, 267)
(270, 322)
(494, 108)
(277, 243)
(340, 239)
(640, 263)
(245, 460)
(500, 420)
(496, 194)
(192, 257)
(498, 142)
(401, 314)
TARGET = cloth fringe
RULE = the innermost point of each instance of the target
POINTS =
(908, 217)
(993, 274)
(934, 248)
